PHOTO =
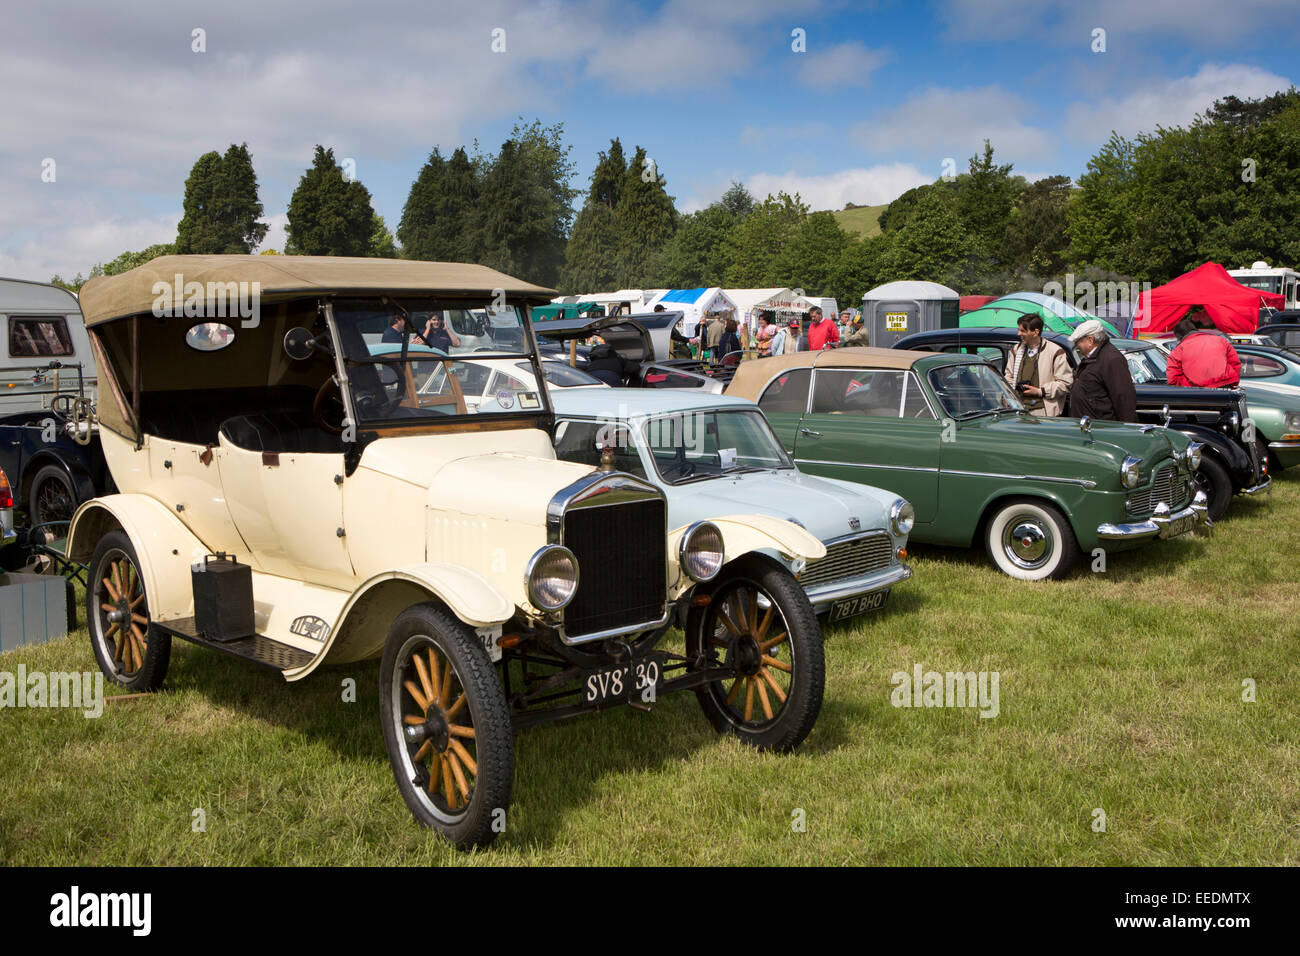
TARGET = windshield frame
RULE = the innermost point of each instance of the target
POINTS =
(1015, 404)
(639, 425)
(542, 417)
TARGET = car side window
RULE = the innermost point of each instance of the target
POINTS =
(577, 441)
(914, 403)
(994, 356)
(788, 392)
(875, 393)
(1260, 366)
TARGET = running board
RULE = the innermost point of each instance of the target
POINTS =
(258, 649)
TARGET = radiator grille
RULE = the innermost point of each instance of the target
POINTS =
(1167, 487)
(850, 559)
(621, 561)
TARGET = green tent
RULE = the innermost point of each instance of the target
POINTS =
(1005, 314)
(565, 310)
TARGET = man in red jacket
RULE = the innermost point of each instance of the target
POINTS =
(822, 333)
(1203, 356)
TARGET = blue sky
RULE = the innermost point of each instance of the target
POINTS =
(122, 101)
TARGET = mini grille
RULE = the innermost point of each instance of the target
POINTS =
(850, 559)
(1167, 487)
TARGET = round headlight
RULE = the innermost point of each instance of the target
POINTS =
(1194, 455)
(701, 551)
(902, 517)
(551, 577)
(1128, 471)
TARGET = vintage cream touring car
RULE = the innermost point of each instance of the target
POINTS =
(293, 494)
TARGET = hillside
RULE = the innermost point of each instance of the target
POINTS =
(863, 220)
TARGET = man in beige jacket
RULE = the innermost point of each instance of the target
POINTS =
(1038, 370)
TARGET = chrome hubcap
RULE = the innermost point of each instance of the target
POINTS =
(1027, 542)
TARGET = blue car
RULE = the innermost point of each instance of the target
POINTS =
(716, 455)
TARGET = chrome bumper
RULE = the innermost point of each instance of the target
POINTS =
(824, 595)
(1162, 524)
(1263, 486)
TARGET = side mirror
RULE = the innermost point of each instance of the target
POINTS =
(298, 344)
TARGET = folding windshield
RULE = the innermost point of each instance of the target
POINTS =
(424, 359)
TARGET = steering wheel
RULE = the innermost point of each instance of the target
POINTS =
(328, 406)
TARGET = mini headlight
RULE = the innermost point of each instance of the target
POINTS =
(902, 517)
(551, 578)
(701, 552)
(1128, 471)
(1194, 455)
(1293, 421)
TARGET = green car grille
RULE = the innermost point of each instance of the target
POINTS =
(851, 558)
(1166, 487)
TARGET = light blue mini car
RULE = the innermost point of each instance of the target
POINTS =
(716, 455)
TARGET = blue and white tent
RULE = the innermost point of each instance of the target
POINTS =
(695, 303)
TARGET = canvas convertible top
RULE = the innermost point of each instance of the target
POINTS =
(106, 298)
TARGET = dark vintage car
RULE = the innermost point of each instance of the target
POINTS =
(1284, 330)
(644, 342)
(1231, 463)
(52, 455)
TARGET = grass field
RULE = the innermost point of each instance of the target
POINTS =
(1119, 690)
(863, 220)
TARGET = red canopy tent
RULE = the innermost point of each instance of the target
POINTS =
(1232, 306)
(968, 302)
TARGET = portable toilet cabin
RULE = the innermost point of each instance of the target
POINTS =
(896, 309)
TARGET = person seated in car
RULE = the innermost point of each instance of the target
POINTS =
(439, 335)
(605, 364)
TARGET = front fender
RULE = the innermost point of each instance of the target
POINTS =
(365, 619)
(164, 548)
(742, 534)
(1231, 455)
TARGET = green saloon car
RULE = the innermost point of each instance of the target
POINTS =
(945, 432)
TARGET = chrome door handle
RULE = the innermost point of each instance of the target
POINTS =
(810, 432)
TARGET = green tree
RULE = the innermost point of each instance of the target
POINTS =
(440, 219)
(985, 198)
(591, 254)
(221, 211)
(646, 220)
(328, 214)
(696, 255)
(754, 247)
(812, 254)
(382, 245)
(1036, 237)
(607, 178)
(1100, 219)
(737, 200)
(934, 245)
(862, 265)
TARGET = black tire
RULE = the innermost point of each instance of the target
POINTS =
(788, 700)
(1212, 478)
(1030, 539)
(51, 497)
(135, 658)
(435, 793)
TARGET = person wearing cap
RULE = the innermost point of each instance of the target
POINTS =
(1103, 386)
(1038, 370)
(857, 333)
(1203, 357)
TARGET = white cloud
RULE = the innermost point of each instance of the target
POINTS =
(1127, 23)
(848, 64)
(1168, 102)
(953, 124)
(865, 187)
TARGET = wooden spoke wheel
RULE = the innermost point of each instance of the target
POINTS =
(129, 651)
(447, 726)
(759, 625)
